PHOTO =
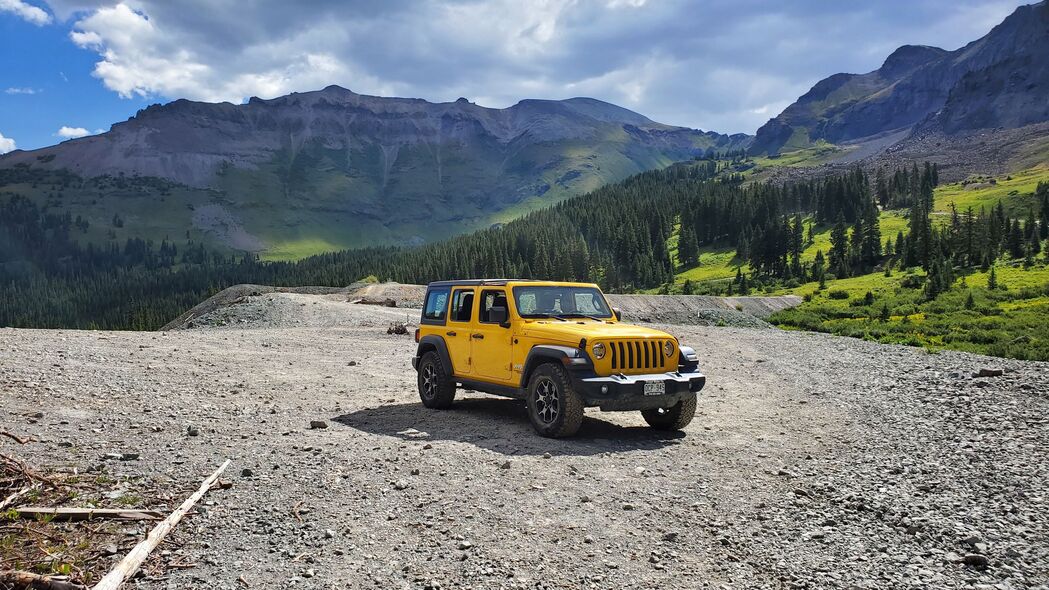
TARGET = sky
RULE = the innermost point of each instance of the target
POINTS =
(70, 68)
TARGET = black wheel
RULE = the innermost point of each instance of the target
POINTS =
(436, 387)
(555, 409)
(675, 417)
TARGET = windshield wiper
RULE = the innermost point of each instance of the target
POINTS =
(540, 316)
(583, 315)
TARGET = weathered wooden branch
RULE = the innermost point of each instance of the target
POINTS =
(11, 499)
(20, 467)
(15, 437)
(88, 513)
(133, 560)
(16, 579)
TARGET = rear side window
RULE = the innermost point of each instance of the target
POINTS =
(436, 307)
(490, 299)
(462, 305)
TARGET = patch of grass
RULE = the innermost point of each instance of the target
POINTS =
(1015, 191)
(297, 249)
(1011, 321)
(129, 500)
(819, 153)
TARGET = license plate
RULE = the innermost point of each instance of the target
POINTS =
(655, 388)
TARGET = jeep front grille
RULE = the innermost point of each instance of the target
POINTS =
(632, 355)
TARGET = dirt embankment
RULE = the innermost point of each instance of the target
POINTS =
(813, 462)
(255, 306)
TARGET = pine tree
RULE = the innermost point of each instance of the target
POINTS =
(819, 267)
(688, 249)
(881, 189)
(839, 247)
(1042, 196)
(992, 280)
(1015, 242)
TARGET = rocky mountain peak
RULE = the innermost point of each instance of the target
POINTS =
(909, 57)
(999, 80)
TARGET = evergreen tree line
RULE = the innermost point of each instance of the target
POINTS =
(616, 236)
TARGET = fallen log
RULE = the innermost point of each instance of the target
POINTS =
(133, 560)
(88, 513)
(16, 579)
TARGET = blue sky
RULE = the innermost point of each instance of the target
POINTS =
(69, 67)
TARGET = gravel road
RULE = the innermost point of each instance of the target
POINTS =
(814, 462)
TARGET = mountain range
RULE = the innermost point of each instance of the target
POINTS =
(999, 80)
(333, 169)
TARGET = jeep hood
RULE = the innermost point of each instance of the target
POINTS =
(573, 330)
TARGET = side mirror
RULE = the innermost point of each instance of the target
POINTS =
(498, 315)
(618, 313)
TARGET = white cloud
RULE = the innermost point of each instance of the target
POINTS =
(726, 65)
(6, 144)
(33, 14)
(23, 90)
(72, 132)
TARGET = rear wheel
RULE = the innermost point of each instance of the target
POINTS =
(675, 417)
(554, 407)
(436, 388)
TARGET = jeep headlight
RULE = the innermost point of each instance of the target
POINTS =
(668, 348)
(599, 350)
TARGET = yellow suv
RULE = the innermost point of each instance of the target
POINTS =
(559, 346)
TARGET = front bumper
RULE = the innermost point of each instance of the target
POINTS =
(627, 392)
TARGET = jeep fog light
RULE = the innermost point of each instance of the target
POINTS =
(599, 350)
(668, 348)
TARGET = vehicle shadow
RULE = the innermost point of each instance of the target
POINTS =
(502, 426)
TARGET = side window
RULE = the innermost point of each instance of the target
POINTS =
(490, 299)
(436, 306)
(462, 305)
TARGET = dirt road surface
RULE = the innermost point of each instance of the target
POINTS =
(814, 462)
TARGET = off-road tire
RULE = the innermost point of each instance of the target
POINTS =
(554, 407)
(436, 387)
(675, 417)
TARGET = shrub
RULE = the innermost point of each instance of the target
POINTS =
(838, 294)
(912, 281)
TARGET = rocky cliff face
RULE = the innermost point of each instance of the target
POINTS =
(372, 169)
(1001, 79)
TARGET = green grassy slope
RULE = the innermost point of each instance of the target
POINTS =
(314, 198)
(1012, 320)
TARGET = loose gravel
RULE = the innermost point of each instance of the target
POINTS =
(814, 462)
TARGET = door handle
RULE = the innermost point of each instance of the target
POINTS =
(449, 333)
(477, 336)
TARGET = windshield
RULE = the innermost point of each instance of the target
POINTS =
(561, 301)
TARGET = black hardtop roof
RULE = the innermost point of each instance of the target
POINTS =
(474, 282)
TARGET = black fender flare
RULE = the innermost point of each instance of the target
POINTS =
(688, 359)
(435, 342)
(544, 353)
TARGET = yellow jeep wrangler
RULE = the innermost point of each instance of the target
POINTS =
(559, 346)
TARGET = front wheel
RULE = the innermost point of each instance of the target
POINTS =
(675, 417)
(554, 407)
(436, 388)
